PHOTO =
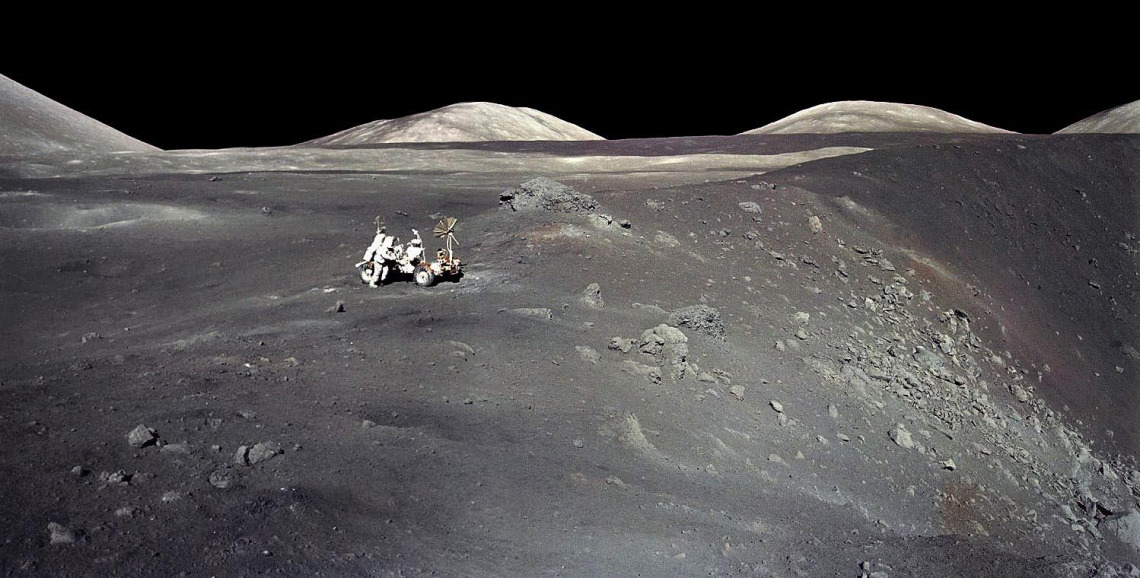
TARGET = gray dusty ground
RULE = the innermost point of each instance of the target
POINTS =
(836, 368)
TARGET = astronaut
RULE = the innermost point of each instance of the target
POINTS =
(380, 254)
(415, 250)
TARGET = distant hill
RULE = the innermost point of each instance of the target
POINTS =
(31, 123)
(869, 116)
(463, 122)
(1120, 120)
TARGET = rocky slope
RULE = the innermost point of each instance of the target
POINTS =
(463, 122)
(868, 116)
(1124, 119)
(31, 124)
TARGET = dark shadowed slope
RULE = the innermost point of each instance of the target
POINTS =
(869, 116)
(1042, 232)
(1122, 119)
(31, 123)
(463, 122)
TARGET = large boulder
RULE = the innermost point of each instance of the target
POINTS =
(700, 318)
(547, 195)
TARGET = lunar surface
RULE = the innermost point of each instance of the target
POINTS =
(868, 116)
(873, 354)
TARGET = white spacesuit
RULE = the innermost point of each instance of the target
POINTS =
(415, 250)
(380, 253)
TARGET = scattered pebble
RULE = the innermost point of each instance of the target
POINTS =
(737, 391)
(141, 436)
(902, 437)
(588, 354)
(241, 456)
(264, 451)
(222, 479)
(179, 448)
(578, 443)
(61, 534)
(779, 407)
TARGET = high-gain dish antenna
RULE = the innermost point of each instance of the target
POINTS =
(445, 228)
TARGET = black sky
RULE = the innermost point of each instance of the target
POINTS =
(260, 95)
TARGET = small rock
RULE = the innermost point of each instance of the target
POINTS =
(90, 336)
(338, 307)
(775, 458)
(120, 477)
(814, 224)
(706, 377)
(832, 411)
(141, 436)
(750, 207)
(592, 296)
(126, 512)
(622, 344)
(843, 437)
(247, 414)
(264, 451)
(779, 407)
(578, 443)
(171, 496)
(537, 312)
(180, 448)
(1020, 393)
(737, 391)
(780, 345)
(367, 424)
(802, 317)
(801, 334)
(588, 354)
(241, 456)
(783, 419)
(79, 471)
(949, 465)
(61, 534)
(901, 437)
(222, 479)
(461, 346)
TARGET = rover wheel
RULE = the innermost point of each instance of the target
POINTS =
(366, 273)
(423, 276)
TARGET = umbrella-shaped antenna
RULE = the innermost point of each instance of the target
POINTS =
(445, 228)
